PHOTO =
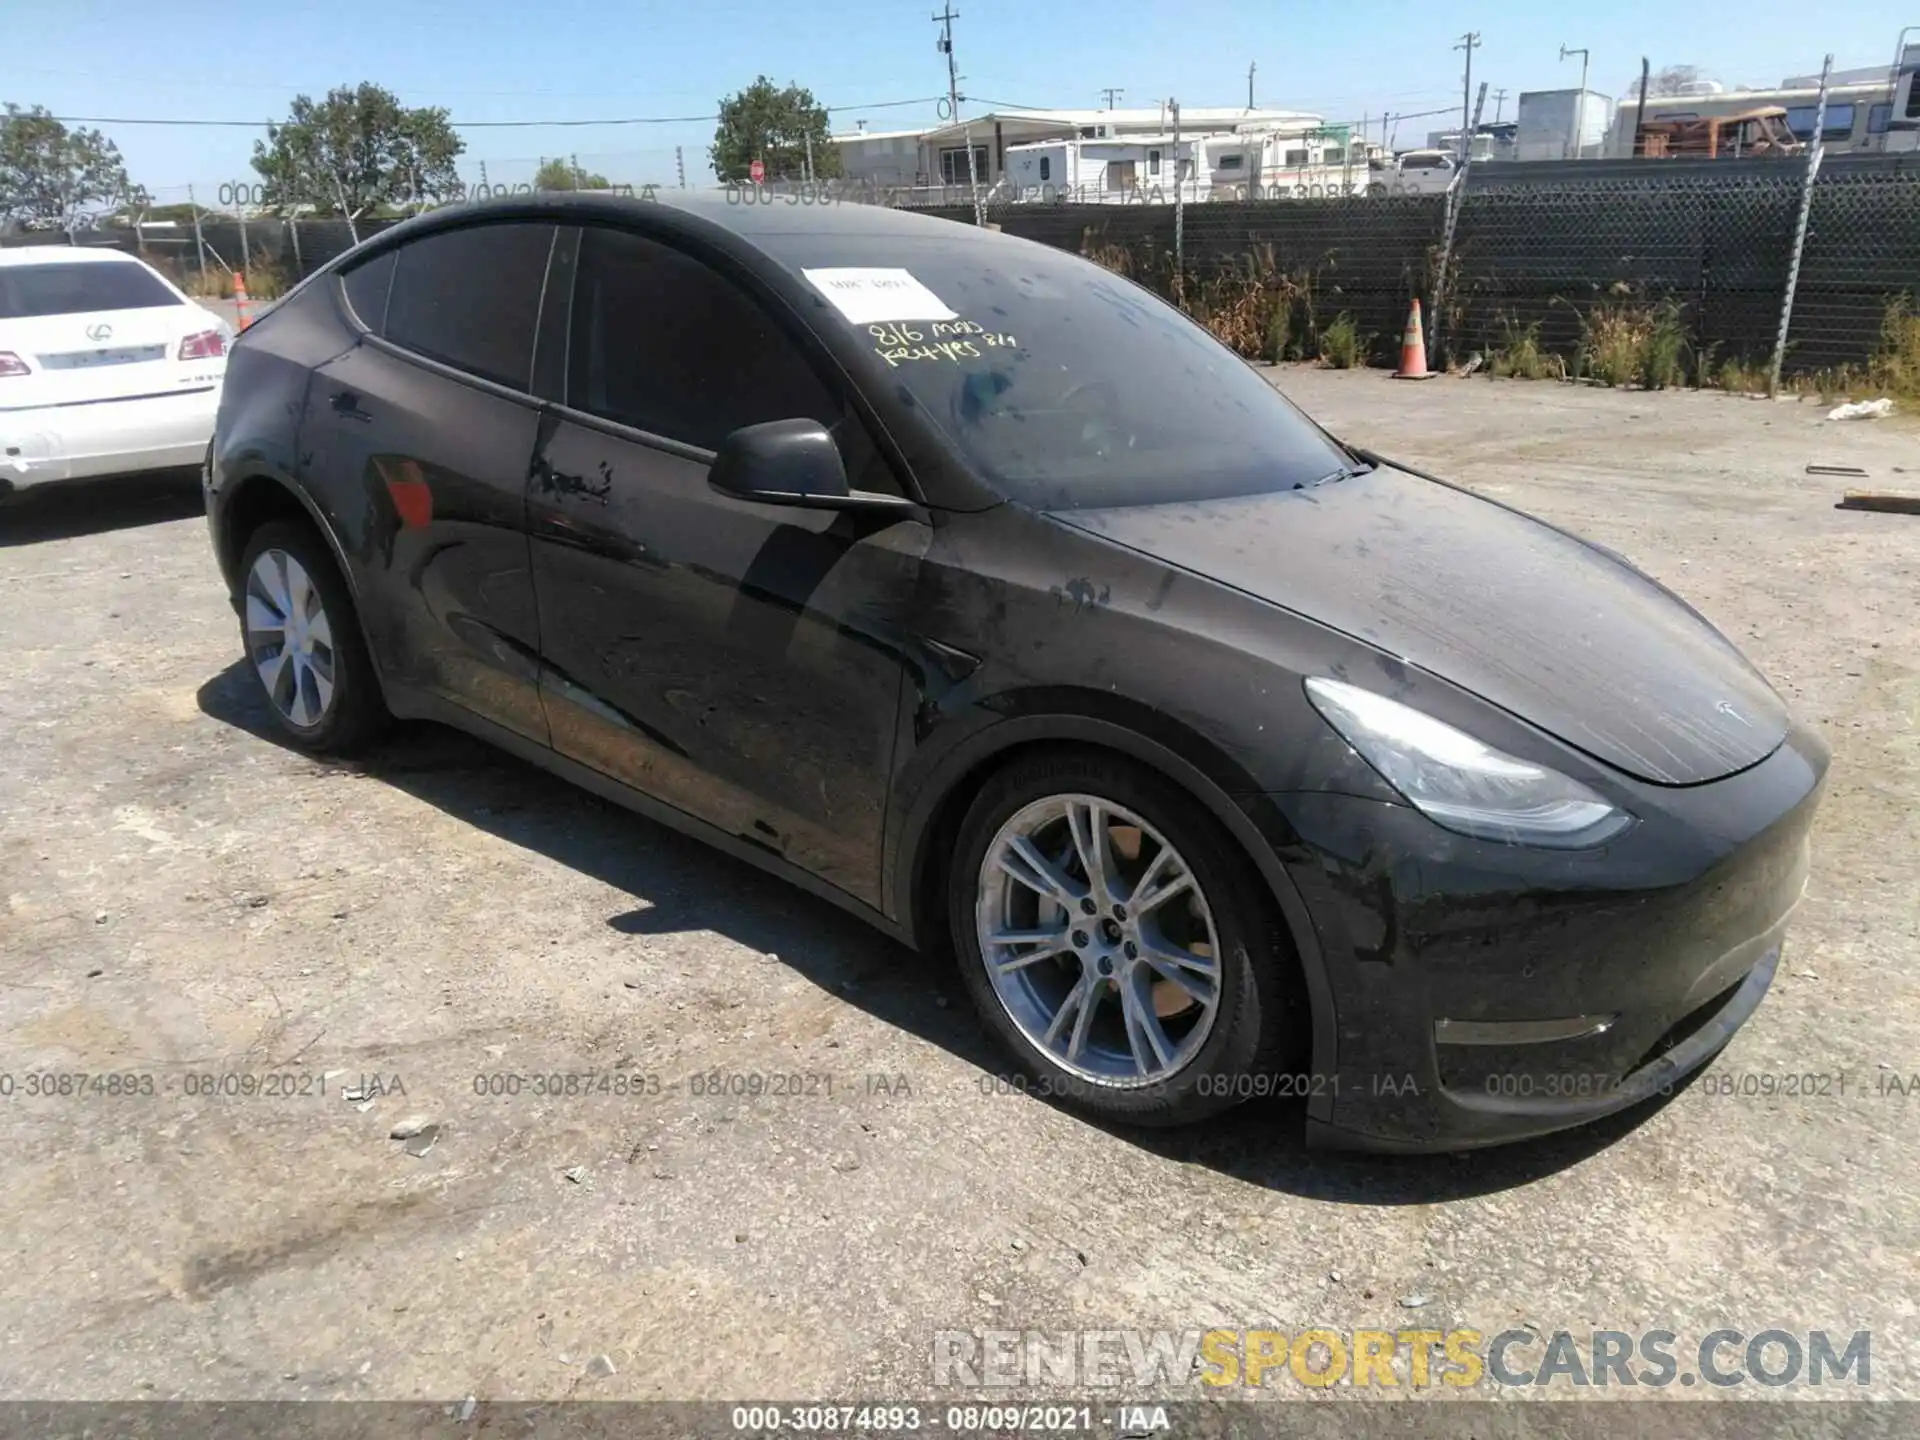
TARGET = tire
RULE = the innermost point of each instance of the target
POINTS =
(1211, 1057)
(327, 699)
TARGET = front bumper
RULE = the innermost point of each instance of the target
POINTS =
(1485, 993)
(106, 437)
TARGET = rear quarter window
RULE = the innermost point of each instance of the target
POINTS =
(366, 285)
(78, 288)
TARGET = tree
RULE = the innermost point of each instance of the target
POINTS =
(557, 174)
(774, 127)
(356, 151)
(1668, 80)
(50, 175)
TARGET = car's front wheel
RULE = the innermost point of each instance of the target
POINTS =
(303, 641)
(1116, 941)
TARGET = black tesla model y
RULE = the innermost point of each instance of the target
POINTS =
(977, 590)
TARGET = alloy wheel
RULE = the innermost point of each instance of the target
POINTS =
(1098, 941)
(290, 638)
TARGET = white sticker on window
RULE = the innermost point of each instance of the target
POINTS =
(867, 295)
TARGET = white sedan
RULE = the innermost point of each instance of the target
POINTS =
(105, 367)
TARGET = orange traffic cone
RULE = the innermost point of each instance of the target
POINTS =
(1413, 349)
(240, 301)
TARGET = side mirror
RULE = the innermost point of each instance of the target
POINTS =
(791, 462)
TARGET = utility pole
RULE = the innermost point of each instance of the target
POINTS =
(1456, 193)
(1250, 69)
(1499, 103)
(1816, 149)
(199, 241)
(1110, 94)
(680, 165)
(1579, 105)
(1179, 213)
(1640, 110)
(945, 20)
(1469, 43)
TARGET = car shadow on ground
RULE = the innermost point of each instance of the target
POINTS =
(72, 508)
(691, 887)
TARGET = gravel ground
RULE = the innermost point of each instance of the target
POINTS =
(184, 897)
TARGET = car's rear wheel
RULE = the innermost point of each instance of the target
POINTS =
(1116, 941)
(303, 641)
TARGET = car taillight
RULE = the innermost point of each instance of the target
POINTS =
(12, 364)
(207, 345)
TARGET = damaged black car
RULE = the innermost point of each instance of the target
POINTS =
(977, 590)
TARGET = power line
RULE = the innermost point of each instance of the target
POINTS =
(1399, 115)
(488, 124)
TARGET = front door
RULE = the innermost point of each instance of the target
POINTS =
(738, 661)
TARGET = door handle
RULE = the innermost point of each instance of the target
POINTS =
(347, 405)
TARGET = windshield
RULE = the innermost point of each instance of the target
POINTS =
(1065, 386)
(78, 288)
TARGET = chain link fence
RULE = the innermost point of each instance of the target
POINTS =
(1559, 257)
(1555, 257)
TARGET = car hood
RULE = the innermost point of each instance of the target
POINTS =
(1549, 628)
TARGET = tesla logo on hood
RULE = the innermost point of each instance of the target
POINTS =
(99, 332)
(1725, 707)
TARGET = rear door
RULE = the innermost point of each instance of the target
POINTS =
(97, 329)
(427, 425)
(740, 662)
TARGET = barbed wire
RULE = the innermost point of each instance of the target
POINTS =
(486, 124)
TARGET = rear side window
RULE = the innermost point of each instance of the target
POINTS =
(666, 345)
(366, 285)
(471, 298)
(74, 288)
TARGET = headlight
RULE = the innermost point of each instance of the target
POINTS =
(1461, 784)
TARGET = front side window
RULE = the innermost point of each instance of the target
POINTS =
(1064, 386)
(667, 345)
(79, 288)
(470, 298)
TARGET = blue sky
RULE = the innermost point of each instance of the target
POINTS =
(512, 60)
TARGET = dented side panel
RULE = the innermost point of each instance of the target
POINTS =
(427, 473)
(739, 662)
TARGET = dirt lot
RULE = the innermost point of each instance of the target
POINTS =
(184, 897)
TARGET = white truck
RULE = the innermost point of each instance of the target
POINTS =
(1413, 172)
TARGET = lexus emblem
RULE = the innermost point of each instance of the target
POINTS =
(1725, 707)
(100, 332)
